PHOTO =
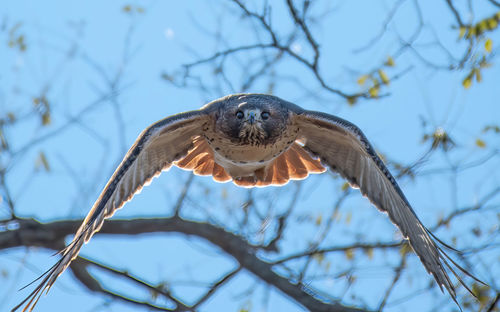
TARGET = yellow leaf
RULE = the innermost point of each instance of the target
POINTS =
(348, 218)
(482, 26)
(319, 218)
(494, 128)
(369, 253)
(127, 8)
(477, 73)
(467, 82)
(492, 23)
(480, 143)
(349, 253)
(351, 100)
(481, 292)
(336, 215)
(488, 45)
(328, 264)
(319, 257)
(345, 186)
(390, 61)
(462, 32)
(454, 240)
(472, 32)
(362, 79)
(373, 91)
(11, 116)
(383, 77)
(46, 119)
(405, 248)
(42, 162)
(3, 141)
(224, 194)
(484, 64)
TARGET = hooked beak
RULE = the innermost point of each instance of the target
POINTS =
(251, 117)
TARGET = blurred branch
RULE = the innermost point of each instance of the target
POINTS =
(382, 31)
(281, 47)
(214, 287)
(160, 289)
(282, 221)
(79, 269)
(365, 246)
(458, 212)
(397, 275)
(493, 303)
(301, 22)
(495, 3)
(182, 196)
(455, 13)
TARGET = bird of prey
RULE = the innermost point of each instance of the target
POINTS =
(256, 140)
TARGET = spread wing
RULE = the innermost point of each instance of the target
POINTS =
(343, 148)
(154, 151)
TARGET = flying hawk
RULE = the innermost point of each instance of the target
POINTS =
(256, 140)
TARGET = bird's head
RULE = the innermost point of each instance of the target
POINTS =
(252, 120)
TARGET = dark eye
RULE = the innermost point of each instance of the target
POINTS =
(264, 115)
(239, 114)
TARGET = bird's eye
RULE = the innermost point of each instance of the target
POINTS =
(239, 114)
(264, 115)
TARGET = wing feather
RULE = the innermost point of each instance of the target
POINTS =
(154, 151)
(343, 148)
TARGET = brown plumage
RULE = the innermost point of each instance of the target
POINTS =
(257, 140)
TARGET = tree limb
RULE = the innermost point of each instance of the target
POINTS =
(32, 233)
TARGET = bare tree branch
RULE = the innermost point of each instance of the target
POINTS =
(33, 233)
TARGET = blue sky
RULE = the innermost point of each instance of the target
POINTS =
(74, 48)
